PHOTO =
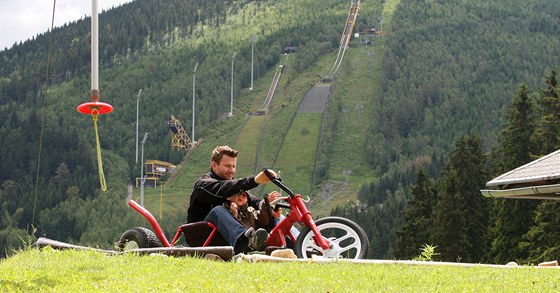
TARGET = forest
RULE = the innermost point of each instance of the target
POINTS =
(450, 72)
(443, 120)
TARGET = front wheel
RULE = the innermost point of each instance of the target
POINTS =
(138, 237)
(347, 239)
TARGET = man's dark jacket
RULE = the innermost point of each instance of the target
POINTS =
(210, 191)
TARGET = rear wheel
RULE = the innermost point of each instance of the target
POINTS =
(138, 237)
(347, 239)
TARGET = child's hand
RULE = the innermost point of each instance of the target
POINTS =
(277, 213)
(274, 196)
(233, 208)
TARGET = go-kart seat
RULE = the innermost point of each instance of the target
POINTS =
(198, 233)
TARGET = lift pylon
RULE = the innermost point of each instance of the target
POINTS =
(180, 138)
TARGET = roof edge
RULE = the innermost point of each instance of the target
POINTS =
(533, 192)
(497, 181)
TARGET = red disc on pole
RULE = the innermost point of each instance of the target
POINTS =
(99, 107)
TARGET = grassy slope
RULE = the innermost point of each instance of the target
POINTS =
(354, 92)
(297, 156)
(40, 271)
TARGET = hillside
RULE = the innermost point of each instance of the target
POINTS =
(159, 64)
(287, 139)
(442, 70)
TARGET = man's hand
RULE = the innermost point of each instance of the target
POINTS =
(261, 178)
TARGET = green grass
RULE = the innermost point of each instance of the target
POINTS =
(49, 270)
(297, 156)
(247, 144)
(354, 92)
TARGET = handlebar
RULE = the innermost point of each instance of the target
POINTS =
(278, 182)
(281, 205)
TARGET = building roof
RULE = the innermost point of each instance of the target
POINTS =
(535, 180)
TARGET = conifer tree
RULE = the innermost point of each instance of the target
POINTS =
(546, 135)
(449, 227)
(461, 214)
(417, 217)
(543, 238)
(512, 218)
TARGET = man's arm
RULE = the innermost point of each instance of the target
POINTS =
(214, 191)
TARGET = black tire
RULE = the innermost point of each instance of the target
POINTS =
(138, 237)
(348, 239)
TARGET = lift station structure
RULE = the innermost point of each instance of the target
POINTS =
(180, 139)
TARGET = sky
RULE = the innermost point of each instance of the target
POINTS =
(23, 19)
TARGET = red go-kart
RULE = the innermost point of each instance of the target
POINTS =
(329, 237)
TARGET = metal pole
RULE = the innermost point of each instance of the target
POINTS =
(231, 100)
(252, 63)
(94, 47)
(137, 111)
(142, 179)
(253, 40)
(193, 97)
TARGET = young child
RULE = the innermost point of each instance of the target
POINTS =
(247, 215)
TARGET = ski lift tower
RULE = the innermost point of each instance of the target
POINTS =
(180, 138)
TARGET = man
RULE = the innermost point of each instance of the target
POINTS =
(214, 188)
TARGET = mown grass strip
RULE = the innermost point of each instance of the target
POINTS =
(41, 271)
